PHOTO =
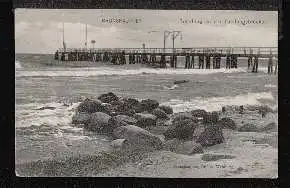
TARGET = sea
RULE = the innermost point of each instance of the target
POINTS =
(48, 134)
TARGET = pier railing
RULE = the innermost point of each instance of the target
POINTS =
(221, 50)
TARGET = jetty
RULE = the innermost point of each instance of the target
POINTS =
(209, 57)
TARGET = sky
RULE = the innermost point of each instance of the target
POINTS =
(41, 30)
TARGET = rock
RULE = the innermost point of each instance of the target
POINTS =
(122, 120)
(166, 109)
(171, 145)
(180, 81)
(147, 105)
(241, 109)
(90, 106)
(108, 108)
(198, 113)
(264, 110)
(269, 127)
(249, 127)
(210, 118)
(215, 157)
(227, 123)
(108, 97)
(80, 118)
(145, 119)
(46, 108)
(182, 129)
(183, 116)
(223, 109)
(189, 148)
(120, 144)
(137, 137)
(99, 122)
(125, 110)
(130, 102)
(212, 135)
(163, 122)
(159, 113)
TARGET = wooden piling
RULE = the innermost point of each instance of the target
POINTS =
(270, 65)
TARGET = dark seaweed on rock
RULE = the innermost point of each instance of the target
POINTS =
(90, 106)
(108, 97)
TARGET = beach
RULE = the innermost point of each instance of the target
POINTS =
(48, 135)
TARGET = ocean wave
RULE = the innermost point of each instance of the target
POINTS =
(18, 64)
(86, 72)
(216, 103)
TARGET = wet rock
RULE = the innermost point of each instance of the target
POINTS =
(122, 120)
(108, 97)
(215, 157)
(171, 145)
(130, 102)
(159, 113)
(147, 105)
(125, 110)
(223, 109)
(189, 148)
(264, 110)
(198, 113)
(182, 129)
(46, 108)
(163, 122)
(145, 119)
(166, 109)
(212, 135)
(241, 109)
(120, 144)
(249, 127)
(180, 81)
(90, 106)
(99, 122)
(137, 137)
(227, 123)
(80, 118)
(211, 118)
(183, 116)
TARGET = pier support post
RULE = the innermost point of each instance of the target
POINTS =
(200, 61)
(228, 62)
(276, 68)
(163, 61)
(208, 62)
(250, 61)
(270, 65)
(192, 62)
(187, 61)
(255, 66)
(218, 61)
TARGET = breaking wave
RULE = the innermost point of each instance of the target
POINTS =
(102, 71)
(17, 64)
(216, 103)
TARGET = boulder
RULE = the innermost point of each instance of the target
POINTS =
(249, 127)
(123, 109)
(90, 106)
(163, 122)
(130, 102)
(211, 118)
(189, 148)
(145, 119)
(183, 116)
(180, 81)
(171, 145)
(198, 113)
(159, 113)
(80, 118)
(211, 135)
(108, 97)
(137, 137)
(264, 110)
(182, 129)
(215, 157)
(122, 120)
(99, 122)
(227, 123)
(120, 144)
(166, 109)
(147, 105)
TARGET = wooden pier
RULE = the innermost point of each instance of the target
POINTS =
(209, 57)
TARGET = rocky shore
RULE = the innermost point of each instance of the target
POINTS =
(142, 128)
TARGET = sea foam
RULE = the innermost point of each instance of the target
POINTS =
(102, 71)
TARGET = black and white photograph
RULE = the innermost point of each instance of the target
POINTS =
(146, 93)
